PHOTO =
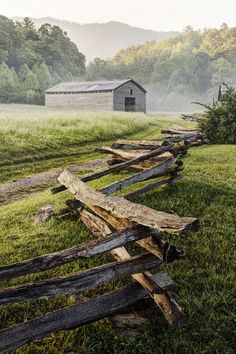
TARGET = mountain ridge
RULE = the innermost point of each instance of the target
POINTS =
(91, 37)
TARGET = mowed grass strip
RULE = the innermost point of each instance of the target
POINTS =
(205, 280)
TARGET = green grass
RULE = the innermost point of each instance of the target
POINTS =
(34, 139)
(33, 135)
(205, 280)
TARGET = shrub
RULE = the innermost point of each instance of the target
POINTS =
(219, 119)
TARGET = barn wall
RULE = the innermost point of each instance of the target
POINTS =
(124, 91)
(88, 101)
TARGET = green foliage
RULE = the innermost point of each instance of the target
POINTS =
(38, 59)
(43, 76)
(219, 122)
(8, 84)
(191, 65)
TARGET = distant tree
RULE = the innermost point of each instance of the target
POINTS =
(224, 26)
(29, 29)
(3, 55)
(219, 122)
(28, 78)
(8, 85)
(58, 52)
(37, 58)
(43, 76)
(56, 78)
(221, 70)
(29, 86)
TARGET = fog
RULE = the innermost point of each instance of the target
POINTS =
(158, 101)
(158, 15)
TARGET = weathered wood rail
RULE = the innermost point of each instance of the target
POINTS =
(73, 316)
(195, 117)
(115, 222)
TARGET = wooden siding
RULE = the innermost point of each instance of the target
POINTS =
(102, 101)
(125, 91)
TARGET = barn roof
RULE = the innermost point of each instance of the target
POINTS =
(90, 86)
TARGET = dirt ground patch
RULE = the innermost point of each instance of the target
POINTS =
(13, 191)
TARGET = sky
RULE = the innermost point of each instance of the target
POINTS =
(159, 15)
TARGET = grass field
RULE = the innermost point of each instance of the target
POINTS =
(205, 280)
(33, 134)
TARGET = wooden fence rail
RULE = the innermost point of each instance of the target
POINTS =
(73, 316)
(116, 222)
(82, 251)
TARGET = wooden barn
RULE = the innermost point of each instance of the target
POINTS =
(126, 95)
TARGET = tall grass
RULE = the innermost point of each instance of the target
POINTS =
(30, 132)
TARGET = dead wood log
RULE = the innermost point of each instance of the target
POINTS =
(171, 310)
(124, 209)
(76, 283)
(180, 132)
(149, 187)
(198, 143)
(138, 144)
(44, 214)
(182, 129)
(74, 204)
(119, 224)
(187, 138)
(195, 117)
(140, 167)
(159, 248)
(129, 155)
(84, 250)
(73, 316)
(121, 166)
(113, 162)
(152, 144)
(121, 155)
(139, 177)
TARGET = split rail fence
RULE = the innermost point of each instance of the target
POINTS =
(115, 221)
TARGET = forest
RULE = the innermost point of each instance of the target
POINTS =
(32, 60)
(187, 67)
(177, 70)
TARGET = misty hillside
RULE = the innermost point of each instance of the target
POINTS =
(32, 60)
(103, 40)
(187, 67)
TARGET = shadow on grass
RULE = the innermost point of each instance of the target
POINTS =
(188, 198)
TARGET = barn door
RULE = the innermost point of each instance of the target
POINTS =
(130, 104)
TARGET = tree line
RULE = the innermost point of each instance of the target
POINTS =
(177, 70)
(31, 60)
